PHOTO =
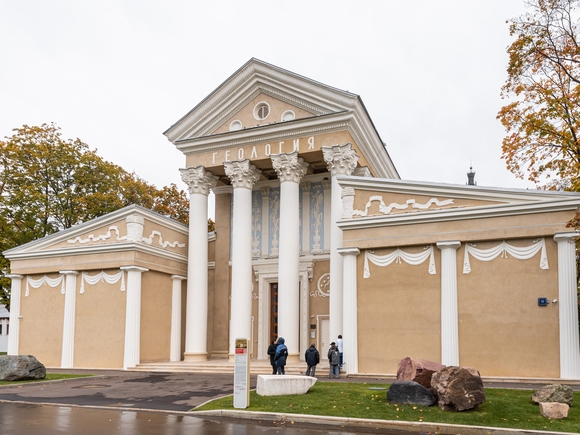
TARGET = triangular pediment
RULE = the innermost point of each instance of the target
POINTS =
(256, 82)
(132, 227)
(382, 201)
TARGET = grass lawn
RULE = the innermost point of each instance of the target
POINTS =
(49, 377)
(503, 408)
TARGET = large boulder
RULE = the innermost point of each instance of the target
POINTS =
(20, 368)
(410, 392)
(418, 370)
(554, 393)
(458, 388)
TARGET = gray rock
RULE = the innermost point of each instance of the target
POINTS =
(410, 392)
(554, 393)
(458, 388)
(20, 368)
(418, 370)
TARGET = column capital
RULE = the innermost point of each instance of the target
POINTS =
(565, 237)
(265, 191)
(178, 277)
(305, 186)
(348, 251)
(134, 269)
(14, 276)
(242, 173)
(198, 180)
(68, 272)
(289, 167)
(340, 159)
(453, 244)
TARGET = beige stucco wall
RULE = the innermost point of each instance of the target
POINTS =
(398, 314)
(156, 294)
(41, 325)
(502, 330)
(100, 325)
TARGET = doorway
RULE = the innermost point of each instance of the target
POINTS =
(273, 311)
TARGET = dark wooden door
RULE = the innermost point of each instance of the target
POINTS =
(273, 311)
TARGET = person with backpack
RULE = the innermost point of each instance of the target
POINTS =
(272, 353)
(334, 360)
(280, 356)
(312, 358)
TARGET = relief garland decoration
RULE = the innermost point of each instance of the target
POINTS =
(503, 249)
(103, 276)
(52, 282)
(397, 256)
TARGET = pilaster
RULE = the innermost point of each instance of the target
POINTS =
(350, 305)
(449, 316)
(175, 335)
(15, 297)
(68, 330)
(133, 316)
(568, 306)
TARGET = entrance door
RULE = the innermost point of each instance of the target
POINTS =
(273, 311)
(324, 336)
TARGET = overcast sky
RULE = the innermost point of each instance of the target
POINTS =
(117, 74)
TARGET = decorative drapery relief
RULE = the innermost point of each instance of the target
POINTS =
(387, 209)
(162, 243)
(93, 238)
(340, 159)
(102, 276)
(503, 249)
(274, 220)
(397, 256)
(317, 218)
(289, 167)
(51, 282)
(242, 174)
(322, 287)
(256, 223)
(198, 180)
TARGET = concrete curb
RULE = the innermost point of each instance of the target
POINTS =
(347, 423)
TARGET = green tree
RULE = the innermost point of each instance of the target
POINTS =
(48, 184)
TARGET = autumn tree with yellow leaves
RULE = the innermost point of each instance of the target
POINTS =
(542, 118)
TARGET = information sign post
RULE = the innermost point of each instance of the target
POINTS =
(242, 373)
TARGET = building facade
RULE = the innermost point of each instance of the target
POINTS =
(316, 236)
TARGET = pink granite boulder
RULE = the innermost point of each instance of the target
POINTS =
(417, 370)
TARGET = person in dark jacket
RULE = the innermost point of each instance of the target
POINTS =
(334, 360)
(272, 353)
(312, 358)
(280, 356)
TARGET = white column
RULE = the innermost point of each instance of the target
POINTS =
(15, 295)
(4, 326)
(199, 182)
(350, 304)
(133, 316)
(305, 218)
(341, 160)
(265, 191)
(175, 335)
(568, 303)
(243, 176)
(290, 169)
(326, 223)
(68, 329)
(449, 317)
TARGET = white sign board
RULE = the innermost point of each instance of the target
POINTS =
(242, 373)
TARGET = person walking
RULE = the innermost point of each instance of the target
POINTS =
(340, 348)
(280, 356)
(272, 353)
(312, 358)
(334, 360)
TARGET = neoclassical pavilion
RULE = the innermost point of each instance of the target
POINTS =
(316, 236)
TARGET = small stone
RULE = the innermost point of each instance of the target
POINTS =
(20, 368)
(410, 392)
(554, 393)
(554, 410)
